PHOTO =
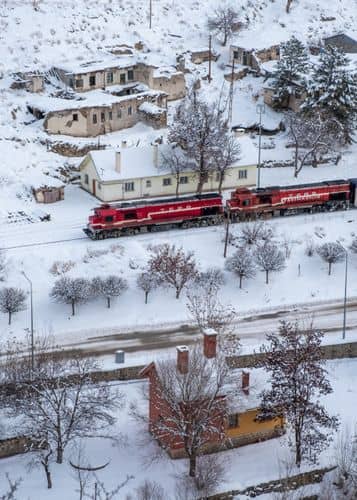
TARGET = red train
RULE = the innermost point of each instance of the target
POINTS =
(111, 221)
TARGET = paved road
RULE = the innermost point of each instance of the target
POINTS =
(251, 329)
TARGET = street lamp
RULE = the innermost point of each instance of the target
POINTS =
(32, 338)
(260, 111)
(345, 297)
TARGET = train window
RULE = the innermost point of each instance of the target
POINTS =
(109, 218)
(130, 215)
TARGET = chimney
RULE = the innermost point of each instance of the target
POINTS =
(182, 359)
(209, 342)
(156, 155)
(245, 383)
(117, 161)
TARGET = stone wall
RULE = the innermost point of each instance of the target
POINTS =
(16, 445)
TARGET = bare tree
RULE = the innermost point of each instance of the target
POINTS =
(288, 5)
(254, 232)
(71, 291)
(12, 488)
(60, 402)
(12, 300)
(345, 480)
(331, 252)
(150, 490)
(310, 247)
(242, 264)
(109, 287)
(200, 129)
(269, 258)
(174, 161)
(223, 22)
(298, 379)
(210, 474)
(102, 493)
(147, 282)
(354, 245)
(310, 137)
(172, 266)
(194, 403)
(211, 280)
(225, 156)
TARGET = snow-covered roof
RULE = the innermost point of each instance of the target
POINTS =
(165, 71)
(79, 67)
(257, 40)
(93, 98)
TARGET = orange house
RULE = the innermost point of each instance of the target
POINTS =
(243, 425)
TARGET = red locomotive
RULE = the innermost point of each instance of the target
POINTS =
(287, 200)
(111, 221)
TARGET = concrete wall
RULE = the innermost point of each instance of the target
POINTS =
(100, 78)
(115, 191)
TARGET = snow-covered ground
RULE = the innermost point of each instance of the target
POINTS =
(245, 466)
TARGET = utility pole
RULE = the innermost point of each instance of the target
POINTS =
(150, 13)
(32, 336)
(209, 59)
(231, 93)
(227, 233)
(260, 111)
(345, 298)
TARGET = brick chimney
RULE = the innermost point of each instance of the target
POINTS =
(117, 161)
(209, 343)
(182, 359)
(245, 382)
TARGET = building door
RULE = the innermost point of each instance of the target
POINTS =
(93, 187)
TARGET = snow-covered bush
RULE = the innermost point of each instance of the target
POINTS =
(109, 287)
(242, 264)
(331, 253)
(71, 291)
(61, 267)
(147, 282)
(12, 300)
(269, 258)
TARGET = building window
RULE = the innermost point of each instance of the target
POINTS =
(233, 421)
(110, 78)
(130, 74)
(79, 83)
(130, 110)
(243, 174)
(129, 186)
(86, 179)
(184, 180)
(167, 181)
(110, 115)
(92, 80)
(122, 78)
(235, 54)
(75, 117)
(148, 184)
(119, 113)
(95, 118)
(99, 185)
(102, 117)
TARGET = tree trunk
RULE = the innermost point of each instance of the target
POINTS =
(224, 43)
(221, 177)
(9, 317)
(192, 472)
(177, 185)
(146, 297)
(48, 476)
(59, 458)
(329, 268)
(297, 448)
(177, 293)
(296, 169)
(200, 183)
(288, 5)
(240, 281)
(108, 302)
(266, 277)
(73, 308)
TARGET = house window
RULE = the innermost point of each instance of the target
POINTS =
(92, 80)
(99, 185)
(86, 179)
(75, 117)
(79, 83)
(119, 113)
(129, 186)
(167, 181)
(184, 180)
(130, 110)
(233, 421)
(95, 118)
(110, 115)
(235, 54)
(243, 174)
(102, 117)
(122, 78)
(148, 184)
(110, 78)
(130, 74)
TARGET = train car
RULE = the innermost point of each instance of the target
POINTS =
(111, 221)
(245, 203)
